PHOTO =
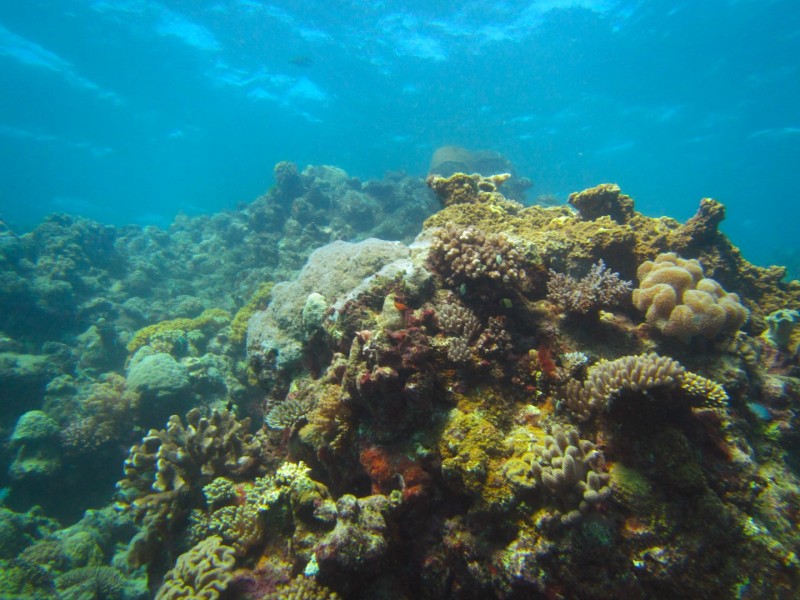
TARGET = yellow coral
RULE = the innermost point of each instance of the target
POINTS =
(697, 385)
(209, 319)
(258, 301)
(203, 572)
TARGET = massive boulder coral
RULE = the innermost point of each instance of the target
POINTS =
(276, 336)
(680, 301)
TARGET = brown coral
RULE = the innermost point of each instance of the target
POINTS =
(679, 301)
(460, 188)
(640, 374)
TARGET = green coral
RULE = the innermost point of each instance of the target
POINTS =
(173, 331)
(258, 301)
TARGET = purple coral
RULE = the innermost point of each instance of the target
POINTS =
(600, 287)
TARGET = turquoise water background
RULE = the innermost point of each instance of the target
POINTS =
(131, 111)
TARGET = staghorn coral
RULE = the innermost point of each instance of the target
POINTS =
(202, 573)
(568, 468)
(598, 289)
(680, 301)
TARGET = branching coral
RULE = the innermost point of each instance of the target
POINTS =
(680, 301)
(598, 289)
(568, 468)
(203, 572)
(469, 258)
(191, 456)
(637, 374)
(240, 526)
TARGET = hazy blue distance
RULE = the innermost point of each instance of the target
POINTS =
(134, 110)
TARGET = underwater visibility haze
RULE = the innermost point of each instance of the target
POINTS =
(482, 299)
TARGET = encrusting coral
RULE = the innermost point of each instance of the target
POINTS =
(680, 301)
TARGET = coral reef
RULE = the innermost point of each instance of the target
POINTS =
(462, 414)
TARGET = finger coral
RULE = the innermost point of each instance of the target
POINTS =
(203, 572)
(637, 374)
(680, 301)
(567, 467)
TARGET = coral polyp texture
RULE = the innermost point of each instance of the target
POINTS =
(680, 301)
(445, 394)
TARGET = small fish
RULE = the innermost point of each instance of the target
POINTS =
(301, 61)
(399, 304)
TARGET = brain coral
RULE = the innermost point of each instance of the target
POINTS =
(680, 301)
(203, 572)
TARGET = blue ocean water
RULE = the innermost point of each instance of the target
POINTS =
(134, 110)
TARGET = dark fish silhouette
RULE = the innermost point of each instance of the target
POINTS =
(301, 61)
